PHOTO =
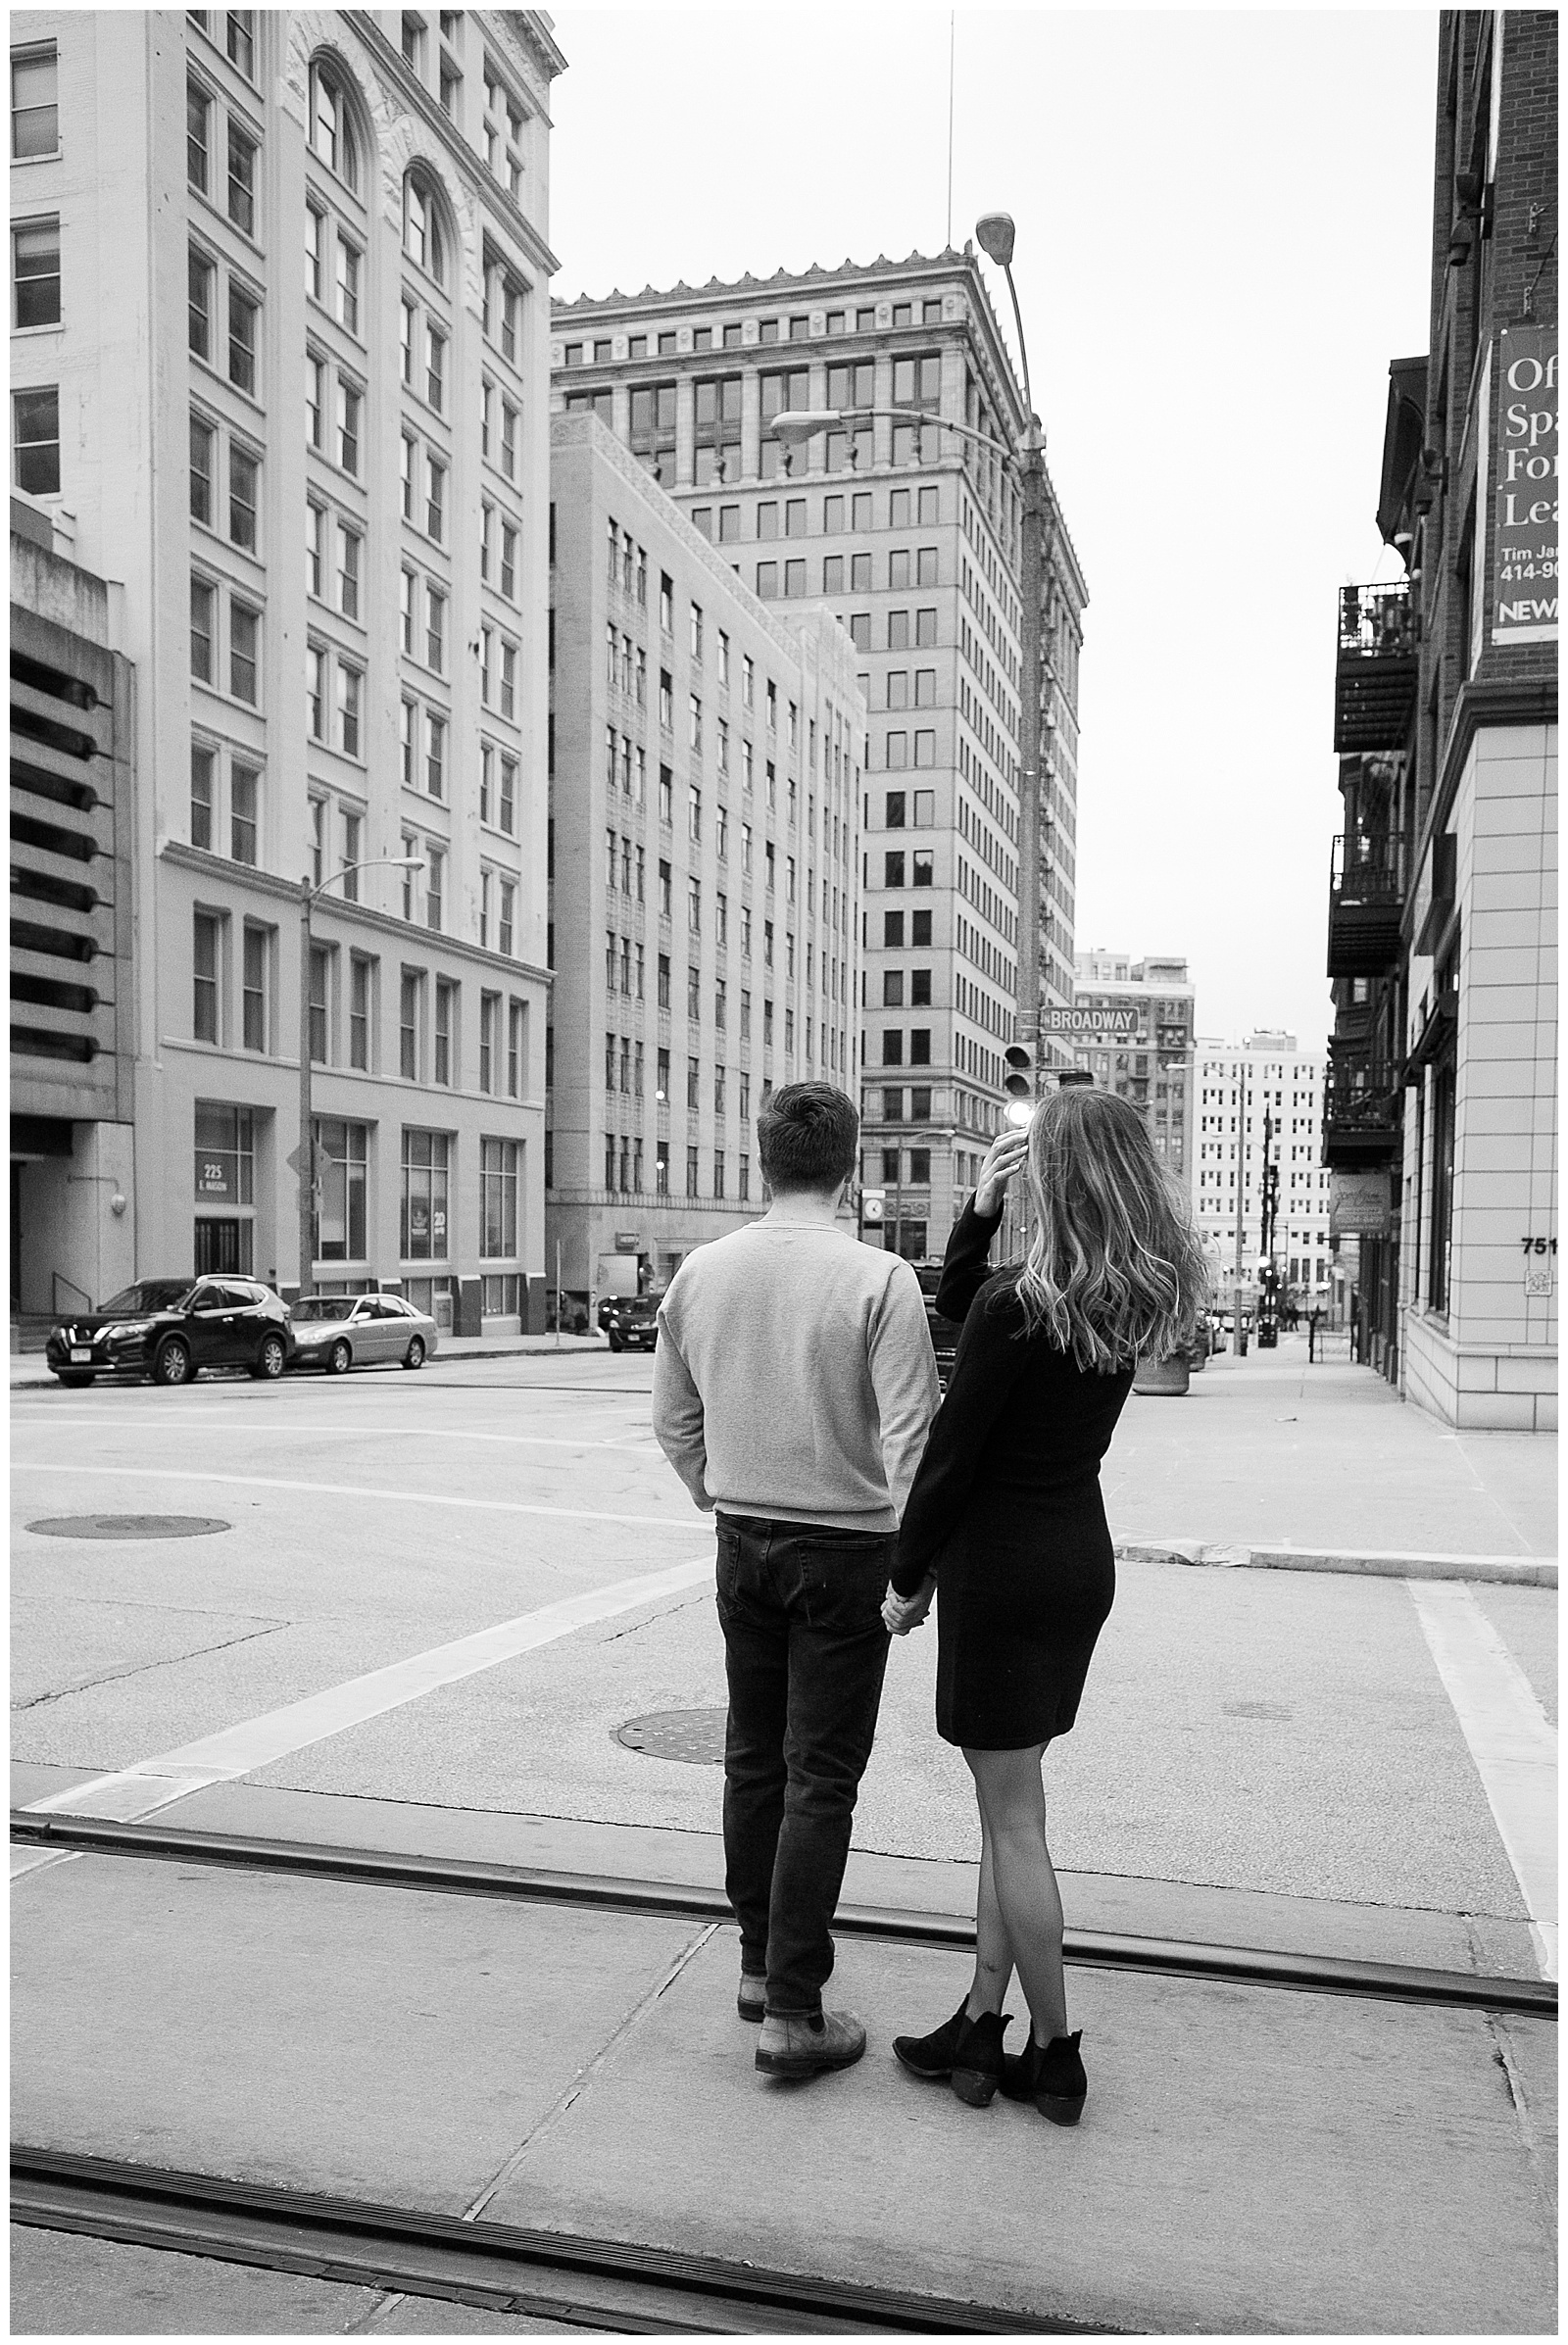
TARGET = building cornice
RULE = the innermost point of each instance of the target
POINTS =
(255, 881)
(1484, 703)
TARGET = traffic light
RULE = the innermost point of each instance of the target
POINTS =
(1018, 1083)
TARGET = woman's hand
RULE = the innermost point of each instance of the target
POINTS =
(1004, 1158)
(900, 1614)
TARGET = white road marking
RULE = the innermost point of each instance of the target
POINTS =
(1510, 1739)
(345, 1489)
(221, 1758)
(398, 1432)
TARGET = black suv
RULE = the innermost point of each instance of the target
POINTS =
(945, 1332)
(630, 1321)
(171, 1329)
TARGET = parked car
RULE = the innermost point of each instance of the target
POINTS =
(945, 1332)
(630, 1321)
(339, 1332)
(171, 1329)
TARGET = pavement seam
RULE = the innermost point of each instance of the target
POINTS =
(141, 1669)
(586, 2073)
(1536, 2158)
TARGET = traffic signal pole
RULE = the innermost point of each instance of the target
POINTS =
(1031, 480)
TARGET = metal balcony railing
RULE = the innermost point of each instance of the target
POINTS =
(1364, 1112)
(1377, 671)
(1366, 895)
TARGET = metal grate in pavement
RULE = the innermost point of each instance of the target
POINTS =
(695, 1737)
(128, 1526)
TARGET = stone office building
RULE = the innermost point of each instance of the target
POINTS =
(1152, 1062)
(1258, 1128)
(707, 762)
(912, 538)
(285, 384)
(1441, 1121)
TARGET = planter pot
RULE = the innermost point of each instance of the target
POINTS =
(1172, 1376)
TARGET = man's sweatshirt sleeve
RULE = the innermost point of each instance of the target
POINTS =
(903, 1376)
(678, 1413)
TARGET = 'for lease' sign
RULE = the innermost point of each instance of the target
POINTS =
(1525, 605)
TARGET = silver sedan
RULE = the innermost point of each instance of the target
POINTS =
(339, 1332)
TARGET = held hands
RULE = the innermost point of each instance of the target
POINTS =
(1004, 1158)
(900, 1614)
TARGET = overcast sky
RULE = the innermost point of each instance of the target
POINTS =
(1224, 222)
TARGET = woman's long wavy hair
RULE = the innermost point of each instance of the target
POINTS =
(1114, 1270)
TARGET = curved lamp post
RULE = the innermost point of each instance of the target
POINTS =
(307, 1150)
(795, 426)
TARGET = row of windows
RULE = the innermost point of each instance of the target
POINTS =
(906, 509)
(623, 1170)
(344, 1156)
(796, 328)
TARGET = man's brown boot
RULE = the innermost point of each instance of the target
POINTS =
(803, 2044)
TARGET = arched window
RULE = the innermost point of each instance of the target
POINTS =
(424, 240)
(331, 125)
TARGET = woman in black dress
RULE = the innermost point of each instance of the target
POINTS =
(1006, 1515)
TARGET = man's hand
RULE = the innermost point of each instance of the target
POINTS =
(900, 1614)
(1004, 1158)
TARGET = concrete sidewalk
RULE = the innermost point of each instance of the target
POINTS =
(1274, 1460)
(1250, 2161)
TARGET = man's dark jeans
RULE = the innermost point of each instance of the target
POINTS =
(805, 1652)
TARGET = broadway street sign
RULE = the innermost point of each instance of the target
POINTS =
(1085, 1025)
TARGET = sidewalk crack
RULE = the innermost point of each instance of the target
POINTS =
(139, 1669)
(586, 2073)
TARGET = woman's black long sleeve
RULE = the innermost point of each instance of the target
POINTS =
(991, 1358)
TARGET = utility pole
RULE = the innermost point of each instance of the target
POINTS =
(1241, 1213)
(1031, 480)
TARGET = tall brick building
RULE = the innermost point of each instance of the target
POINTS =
(1442, 1100)
(911, 539)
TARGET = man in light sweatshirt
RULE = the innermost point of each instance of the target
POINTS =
(794, 1385)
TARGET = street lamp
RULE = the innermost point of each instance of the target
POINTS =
(795, 426)
(307, 1151)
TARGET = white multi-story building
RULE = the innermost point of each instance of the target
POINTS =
(706, 755)
(912, 537)
(279, 363)
(1239, 1088)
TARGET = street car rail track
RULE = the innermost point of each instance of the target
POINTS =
(1243, 1965)
(603, 2284)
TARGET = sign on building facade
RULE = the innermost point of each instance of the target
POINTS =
(1524, 606)
(1359, 1205)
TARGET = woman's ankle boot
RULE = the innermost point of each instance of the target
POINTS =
(1052, 2076)
(931, 2056)
(977, 2059)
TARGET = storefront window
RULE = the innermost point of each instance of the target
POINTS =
(498, 1200)
(423, 1224)
(341, 1153)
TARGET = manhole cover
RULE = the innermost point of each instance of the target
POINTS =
(1257, 1710)
(128, 1526)
(696, 1736)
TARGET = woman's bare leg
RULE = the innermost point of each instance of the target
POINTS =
(992, 1949)
(1023, 1879)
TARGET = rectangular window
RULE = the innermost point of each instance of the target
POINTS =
(508, 679)
(204, 967)
(203, 610)
(435, 757)
(436, 630)
(506, 810)
(203, 440)
(244, 790)
(35, 274)
(422, 1222)
(348, 427)
(359, 1011)
(35, 424)
(201, 797)
(445, 1020)
(498, 1200)
(255, 989)
(517, 1047)
(341, 1150)
(509, 900)
(315, 400)
(243, 313)
(244, 632)
(200, 295)
(508, 561)
(34, 107)
(408, 997)
(320, 979)
(244, 472)
(350, 685)
(509, 440)
(241, 178)
(434, 882)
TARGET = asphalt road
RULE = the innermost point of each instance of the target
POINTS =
(1282, 1733)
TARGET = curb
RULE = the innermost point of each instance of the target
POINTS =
(1518, 1570)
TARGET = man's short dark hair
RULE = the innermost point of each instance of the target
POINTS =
(807, 1137)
